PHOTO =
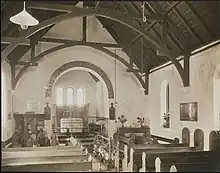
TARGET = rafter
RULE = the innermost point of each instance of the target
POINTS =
(61, 41)
(192, 8)
(141, 24)
(172, 27)
(78, 12)
(166, 11)
(187, 24)
(70, 8)
(9, 40)
(22, 63)
(84, 33)
(13, 76)
(146, 28)
(87, 43)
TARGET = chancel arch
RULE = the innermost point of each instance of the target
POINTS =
(97, 71)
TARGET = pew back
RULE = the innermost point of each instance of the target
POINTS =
(45, 159)
(50, 167)
(185, 161)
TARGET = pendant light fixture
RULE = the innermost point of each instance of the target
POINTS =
(24, 19)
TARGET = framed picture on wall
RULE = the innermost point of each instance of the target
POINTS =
(189, 111)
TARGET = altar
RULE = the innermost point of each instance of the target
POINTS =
(71, 123)
(73, 118)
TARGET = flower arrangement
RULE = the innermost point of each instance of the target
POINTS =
(166, 118)
(140, 121)
(122, 120)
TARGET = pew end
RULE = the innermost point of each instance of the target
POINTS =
(173, 168)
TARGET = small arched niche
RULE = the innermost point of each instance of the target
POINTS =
(186, 136)
(214, 142)
(199, 139)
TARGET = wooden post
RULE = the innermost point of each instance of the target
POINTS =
(130, 164)
(125, 159)
(173, 168)
(158, 164)
(117, 157)
(143, 169)
(110, 148)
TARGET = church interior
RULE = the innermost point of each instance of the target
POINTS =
(105, 86)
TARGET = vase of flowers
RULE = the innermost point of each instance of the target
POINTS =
(140, 121)
(166, 118)
(122, 120)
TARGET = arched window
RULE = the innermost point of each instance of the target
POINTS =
(80, 96)
(59, 96)
(4, 99)
(70, 95)
(167, 98)
(165, 104)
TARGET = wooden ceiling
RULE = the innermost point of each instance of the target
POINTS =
(189, 25)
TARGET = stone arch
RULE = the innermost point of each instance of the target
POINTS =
(199, 139)
(83, 64)
(186, 136)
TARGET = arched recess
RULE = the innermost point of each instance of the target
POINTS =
(199, 139)
(214, 141)
(57, 48)
(186, 136)
(75, 64)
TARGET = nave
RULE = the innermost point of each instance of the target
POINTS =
(130, 150)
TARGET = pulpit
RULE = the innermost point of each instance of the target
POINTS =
(28, 122)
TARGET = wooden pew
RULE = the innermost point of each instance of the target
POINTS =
(135, 162)
(130, 143)
(56, 166)
(183, 161)
(76, 148)
(45, 159)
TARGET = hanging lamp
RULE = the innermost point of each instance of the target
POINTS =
(24, 19)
